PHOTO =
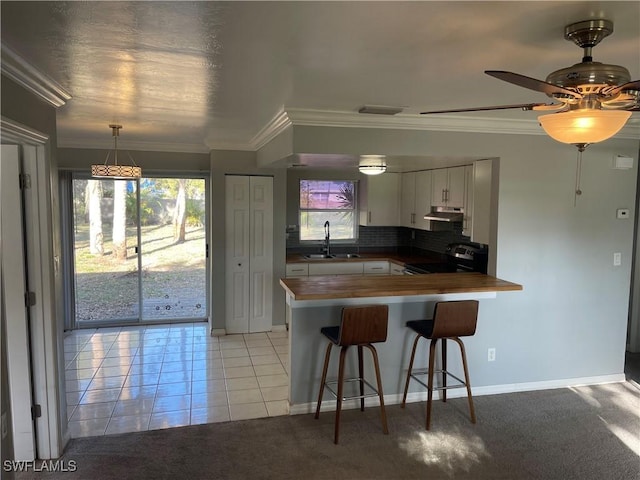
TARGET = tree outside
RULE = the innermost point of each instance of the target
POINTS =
(172, 247)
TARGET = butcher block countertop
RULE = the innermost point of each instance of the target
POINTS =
(355, 286)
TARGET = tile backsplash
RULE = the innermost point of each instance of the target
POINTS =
(385, 239)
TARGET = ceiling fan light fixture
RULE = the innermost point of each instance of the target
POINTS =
(584, 126)
(116, 171)
(372, 164)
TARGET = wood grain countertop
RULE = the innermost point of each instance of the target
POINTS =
(356, 286)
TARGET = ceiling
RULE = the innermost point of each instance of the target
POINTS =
(196, 76)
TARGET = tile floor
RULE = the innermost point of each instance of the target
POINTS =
(129, 379)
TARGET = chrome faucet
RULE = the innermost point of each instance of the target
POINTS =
(327, 243)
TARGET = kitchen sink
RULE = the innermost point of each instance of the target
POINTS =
(346, 255)
(318, 256)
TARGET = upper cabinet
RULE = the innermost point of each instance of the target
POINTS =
(482, 201)
(448, 187)
(467, 219)
(380, 200)
(415, 199)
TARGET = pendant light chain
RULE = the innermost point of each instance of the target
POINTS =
(578, 175)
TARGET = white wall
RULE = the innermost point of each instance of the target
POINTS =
(570, 320)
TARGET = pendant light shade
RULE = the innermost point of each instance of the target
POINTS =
(584, 126)
(116, 171)
(372, 164)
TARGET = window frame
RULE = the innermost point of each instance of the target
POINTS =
(354, 211)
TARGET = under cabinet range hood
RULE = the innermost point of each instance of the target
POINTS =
(445, 214)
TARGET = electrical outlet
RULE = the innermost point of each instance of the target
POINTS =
(617, 259)
(491, 355)
(4, 425)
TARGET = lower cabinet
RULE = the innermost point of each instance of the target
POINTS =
(297, 270)
(336, 268)
(381, 267)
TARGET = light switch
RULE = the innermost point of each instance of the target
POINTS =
(617, 259)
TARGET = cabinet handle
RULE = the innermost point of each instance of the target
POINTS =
(442, 196)
(369, 217)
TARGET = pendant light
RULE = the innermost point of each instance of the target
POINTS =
(116, 171)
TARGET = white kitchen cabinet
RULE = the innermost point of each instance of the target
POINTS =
(415, 200)
(380, 200)
(376, 268)
(335, 268)
(467, 219)
(396, 269)
(482, 201)
(297, 270)
(448, 187)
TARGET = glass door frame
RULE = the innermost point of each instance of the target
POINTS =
(68, 265)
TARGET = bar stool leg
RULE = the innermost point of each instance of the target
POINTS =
(406, 385)
(383, 413)
(443, 346)
(324, 378)
(361, 375)
(466, 379)
(432, 357)
(343, 352)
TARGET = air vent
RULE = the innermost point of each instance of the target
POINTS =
(380, 110)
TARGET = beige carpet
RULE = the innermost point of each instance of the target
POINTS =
(580, 433)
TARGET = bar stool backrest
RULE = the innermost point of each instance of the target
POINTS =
(455, 319)
(363, 324)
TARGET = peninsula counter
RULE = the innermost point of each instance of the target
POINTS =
(317, 301)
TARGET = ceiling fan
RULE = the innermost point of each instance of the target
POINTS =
(592, 100)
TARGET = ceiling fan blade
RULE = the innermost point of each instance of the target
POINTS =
(635, 85)
(531, 83)
(521, 106)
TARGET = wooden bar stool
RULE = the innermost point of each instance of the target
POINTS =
(361, 326)
(451, 320)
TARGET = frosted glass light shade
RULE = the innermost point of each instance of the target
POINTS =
(583, 126)
(372, 164)
(372, 169)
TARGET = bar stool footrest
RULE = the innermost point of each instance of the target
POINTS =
(334, 383)
(425, 371)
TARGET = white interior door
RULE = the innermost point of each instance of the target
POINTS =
(261, 259)
(249, 253)
(15, 312)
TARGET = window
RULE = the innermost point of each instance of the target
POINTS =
(328, 200)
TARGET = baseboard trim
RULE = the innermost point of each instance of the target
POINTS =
(279, 328)
(218, 332)
(330, 405)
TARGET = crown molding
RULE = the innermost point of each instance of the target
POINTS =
(26, 75)
(271, 130)
(446, 123)
(136, 146)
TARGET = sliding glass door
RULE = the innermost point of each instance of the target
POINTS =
(139, 250)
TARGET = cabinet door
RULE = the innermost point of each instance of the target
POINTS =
(395, 269)
(482, 187)
(467, 220)
(422, 199)
(455, 188)
(376, 268)
(439, 187)
(335, 268)
(408, 200)
(297, 270)
(379, 200)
